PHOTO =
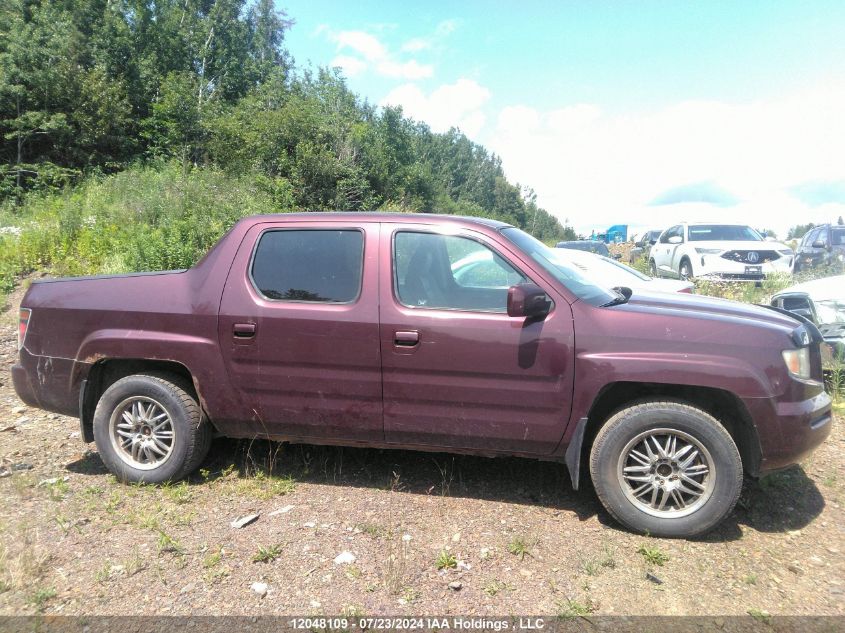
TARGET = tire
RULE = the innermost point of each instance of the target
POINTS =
(685, 270)
(716, 470)
(150, 428)
(652, 266)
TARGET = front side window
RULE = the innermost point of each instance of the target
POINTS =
(837, 236)
(316, 265)
(450, 272)
(675, 230)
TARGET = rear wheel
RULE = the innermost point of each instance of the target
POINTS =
(666, 468)
(150, 428)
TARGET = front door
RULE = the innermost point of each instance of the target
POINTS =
(299, 328)
(458, 372)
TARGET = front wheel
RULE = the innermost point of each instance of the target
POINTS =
(652, 266)
(685, 270)
(666, 469)
(150, 428)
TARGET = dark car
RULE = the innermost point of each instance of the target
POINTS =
(355, 329)
(591, 246)
(644, 244)
(821, 246)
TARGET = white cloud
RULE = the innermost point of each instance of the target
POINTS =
(416, 44)
(443, 30)
(351, 66)
(600, 169)
(451, 105)
(367, 45)
(408, 70)
(360, 51)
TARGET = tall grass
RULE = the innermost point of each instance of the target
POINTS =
(154, 217)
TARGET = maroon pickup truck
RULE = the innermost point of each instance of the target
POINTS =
(432, 333)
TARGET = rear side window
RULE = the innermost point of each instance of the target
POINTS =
(309, 265)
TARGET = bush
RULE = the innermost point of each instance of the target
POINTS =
(156, 217)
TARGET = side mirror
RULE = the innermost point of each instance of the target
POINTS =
(819, 244)
(528, 300)
(676, 239)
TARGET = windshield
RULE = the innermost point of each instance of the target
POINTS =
(723, 233)
(579, 282)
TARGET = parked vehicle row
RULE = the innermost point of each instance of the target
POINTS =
(392, 330)
(724, 251)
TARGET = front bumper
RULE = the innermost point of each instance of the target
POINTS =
(790, 431)
(716, 266)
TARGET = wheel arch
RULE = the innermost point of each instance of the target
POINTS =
(721, 404)
(106, 372)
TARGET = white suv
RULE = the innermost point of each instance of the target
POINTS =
(726, 251)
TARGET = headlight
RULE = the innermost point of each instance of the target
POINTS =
(798, 362)
(708, 251)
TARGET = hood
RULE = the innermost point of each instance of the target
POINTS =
(826, 289)
(708, 308)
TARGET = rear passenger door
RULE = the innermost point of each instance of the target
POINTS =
(299, 329)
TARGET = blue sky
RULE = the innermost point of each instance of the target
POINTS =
(604, 107)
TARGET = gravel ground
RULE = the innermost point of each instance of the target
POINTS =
(363, 532)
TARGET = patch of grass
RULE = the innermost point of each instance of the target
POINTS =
(213, 559)
(446, 560)
(605, 560)
(23, 484)
(761, 616)
(653, 555)
(750, 579)
(520, 546)
(104, 573)
(41, 596)
(571, 609)
(353, 572)
(265, 487)
(493, 587)
(373, 529)
(267, 554)
(178, 493)
(167, 544)
(409, 595)
(58, 489)
(26, 565)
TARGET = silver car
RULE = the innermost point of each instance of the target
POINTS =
(823, 302)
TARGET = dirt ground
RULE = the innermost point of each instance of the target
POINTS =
(510, 536)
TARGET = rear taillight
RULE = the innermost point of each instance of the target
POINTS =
(23, 323)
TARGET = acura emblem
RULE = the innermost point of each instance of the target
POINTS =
(753, 257)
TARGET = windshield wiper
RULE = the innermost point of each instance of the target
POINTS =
(622, 295)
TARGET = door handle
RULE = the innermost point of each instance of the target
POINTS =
(243, 330)
(408, 338)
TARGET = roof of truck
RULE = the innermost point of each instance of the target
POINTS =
(375, 216)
